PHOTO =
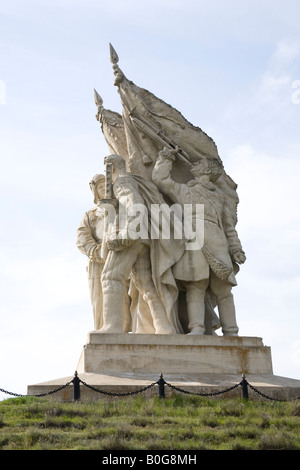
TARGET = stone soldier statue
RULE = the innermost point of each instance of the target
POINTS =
(212, 266)
(132, 257)
(88, 240)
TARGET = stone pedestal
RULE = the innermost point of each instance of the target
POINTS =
(191, 354)
(125, 363)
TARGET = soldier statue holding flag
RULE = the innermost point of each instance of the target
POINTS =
(166, 159)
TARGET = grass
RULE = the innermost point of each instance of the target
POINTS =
(142, 423)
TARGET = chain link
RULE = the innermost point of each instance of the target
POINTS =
(263, 394)
(210, 394)
(118, 394)
(40, 394)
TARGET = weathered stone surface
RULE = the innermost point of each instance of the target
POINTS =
(117, 353)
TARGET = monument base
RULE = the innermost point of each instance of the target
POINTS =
(141, 353)
(126, 363)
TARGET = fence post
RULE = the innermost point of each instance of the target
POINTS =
(76, 387)
(244, 385)
(161, 386)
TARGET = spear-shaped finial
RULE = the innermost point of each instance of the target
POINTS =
(98, 99)
(114, 58)
(99, 104)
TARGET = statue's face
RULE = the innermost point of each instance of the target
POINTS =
(100, 188)
(207, 167)
(200, 168)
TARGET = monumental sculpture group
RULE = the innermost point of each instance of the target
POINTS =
(163, 258)
(161, 240)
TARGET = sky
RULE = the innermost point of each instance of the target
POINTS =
(230, 67)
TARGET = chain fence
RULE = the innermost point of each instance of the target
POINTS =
(40, 394)
(161, 383)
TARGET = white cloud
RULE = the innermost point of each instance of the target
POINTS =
(276, 82)
(286, 52)
(267, 187)
(267, 104)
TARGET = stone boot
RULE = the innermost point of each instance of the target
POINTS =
(160, 320)
(227, 315)
(196, 314)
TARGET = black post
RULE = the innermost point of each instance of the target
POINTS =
(244, 385)
(161, 386)
(76, 387)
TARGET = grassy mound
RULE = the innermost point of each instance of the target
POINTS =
(139, 423)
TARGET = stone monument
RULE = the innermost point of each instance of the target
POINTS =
(163, 254)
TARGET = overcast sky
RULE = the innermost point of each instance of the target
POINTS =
(230, 67)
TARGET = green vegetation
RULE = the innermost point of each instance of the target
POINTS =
(149, 423)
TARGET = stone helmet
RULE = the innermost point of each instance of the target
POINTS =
(93, 185)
